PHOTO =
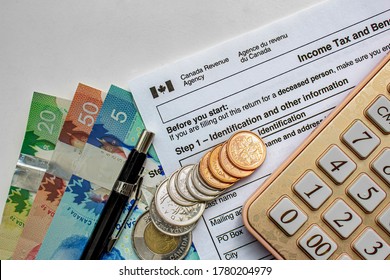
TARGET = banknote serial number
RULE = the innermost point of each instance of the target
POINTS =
(238, 270)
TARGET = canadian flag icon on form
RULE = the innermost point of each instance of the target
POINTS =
(162, 89)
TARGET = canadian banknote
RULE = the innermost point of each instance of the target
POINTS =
(85, 107)
(113, 136)
(45, 120)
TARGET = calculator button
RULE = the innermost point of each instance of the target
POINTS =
(336, 164)
(366, 193)
(288, 216)
(381, 165)
(342, 219)
(360, 139)
(379, 113)
(312, 190)
(317, 244)
(371, 246)
(344, 257)
(384, 219)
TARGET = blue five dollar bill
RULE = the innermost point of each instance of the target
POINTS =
(113, 136)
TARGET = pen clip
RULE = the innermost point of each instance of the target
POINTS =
(136, 195)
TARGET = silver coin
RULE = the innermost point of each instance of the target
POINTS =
(203, 186)
(151, 244)
(181, 182)
(195, 192)
(163, 182)
(174, 194)
(165, 227)
(174, 213)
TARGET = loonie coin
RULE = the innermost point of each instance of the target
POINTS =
(246, 150)
(165, 227)
(228, 166)
(181, 182)
(216, 169)
(174, 213)
(151, 244)
(174, 194)
(206, 175)
(198, 190)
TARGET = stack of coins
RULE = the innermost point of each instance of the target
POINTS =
(164, 232)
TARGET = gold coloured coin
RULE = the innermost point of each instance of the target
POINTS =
(229, 167)
(150, 244)
(216, 169)
(246, 150)
(206, 175)
(159, 242)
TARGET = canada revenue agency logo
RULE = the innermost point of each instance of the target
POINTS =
(162, 89)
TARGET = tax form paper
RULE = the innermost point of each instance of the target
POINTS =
(279, 81)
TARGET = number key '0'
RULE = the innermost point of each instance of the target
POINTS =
(288, 216)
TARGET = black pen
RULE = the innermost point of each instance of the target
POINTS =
(127, 186)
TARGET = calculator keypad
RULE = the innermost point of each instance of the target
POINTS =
(317, 243)
(288, 216)
(344, 257)
(361, 139)
(382, 165)
(336, 164)
(312, 190)
(384, 219)
(342, 219)
(333, 195)
(379, 113)
(371, 246)
(366, 193)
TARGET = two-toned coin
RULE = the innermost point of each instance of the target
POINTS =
(151, 244)
(180, 200)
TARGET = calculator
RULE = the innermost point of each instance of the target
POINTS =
(331, 198)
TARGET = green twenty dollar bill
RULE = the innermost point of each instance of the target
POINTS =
(45, 120)
(113, 136)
